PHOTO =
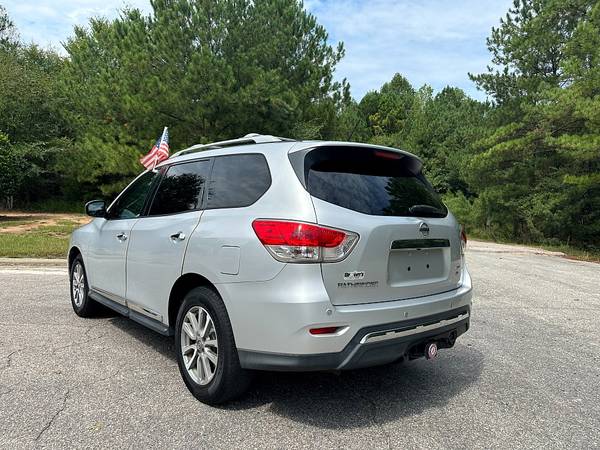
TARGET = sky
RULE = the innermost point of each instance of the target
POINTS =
(437, 42)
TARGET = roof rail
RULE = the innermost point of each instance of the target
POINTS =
(251, 138)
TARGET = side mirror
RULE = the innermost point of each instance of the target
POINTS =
(96, 208)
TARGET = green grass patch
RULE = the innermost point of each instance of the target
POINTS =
(33, 245)
(46, 241)
(64, 228)
(592, 255)
(13, 223)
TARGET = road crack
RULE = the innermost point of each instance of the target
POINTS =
(86, 341)
(8, 359)
(374, 419)
(54, 417)
(112, 375)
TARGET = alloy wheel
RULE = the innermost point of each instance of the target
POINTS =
(199, 346)
(78, 285)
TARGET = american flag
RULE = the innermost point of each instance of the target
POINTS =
(158, 153)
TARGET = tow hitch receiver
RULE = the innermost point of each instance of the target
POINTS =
(431, 350)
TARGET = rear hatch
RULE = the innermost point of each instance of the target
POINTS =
(409, 243)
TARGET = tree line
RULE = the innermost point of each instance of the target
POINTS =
(523, 165)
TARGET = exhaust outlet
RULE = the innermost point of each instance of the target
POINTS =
(451, 339)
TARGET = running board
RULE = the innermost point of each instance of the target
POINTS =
(154, 325)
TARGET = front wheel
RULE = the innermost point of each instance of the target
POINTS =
(206, 351)
(82, 304)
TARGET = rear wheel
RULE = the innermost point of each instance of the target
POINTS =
(206, 351)
(82, 304)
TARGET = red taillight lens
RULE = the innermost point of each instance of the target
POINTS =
(290, 241)
(274, 232)
(324, 330)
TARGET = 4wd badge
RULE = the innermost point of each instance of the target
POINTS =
(352, 276)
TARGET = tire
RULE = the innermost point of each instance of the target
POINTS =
(82, 304)
(208, 362)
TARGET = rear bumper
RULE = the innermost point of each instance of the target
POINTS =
(371, 346)
(271, 322)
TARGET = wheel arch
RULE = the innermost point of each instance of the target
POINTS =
(73, 253)
(181, 287)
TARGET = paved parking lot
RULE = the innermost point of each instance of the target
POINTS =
(527, 374)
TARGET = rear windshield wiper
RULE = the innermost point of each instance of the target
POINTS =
(427, 211)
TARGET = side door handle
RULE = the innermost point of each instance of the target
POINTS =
(122, 236)
(178, 236)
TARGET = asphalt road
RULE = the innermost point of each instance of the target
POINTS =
(526, 375)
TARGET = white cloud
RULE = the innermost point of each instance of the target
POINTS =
(428, 41)
(49, 22)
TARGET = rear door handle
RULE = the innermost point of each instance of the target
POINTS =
(178, 236)
(122, 236)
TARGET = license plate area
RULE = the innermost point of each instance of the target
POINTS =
(418, 262)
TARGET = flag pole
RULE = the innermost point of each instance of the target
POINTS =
(159, 152)
(162, 138)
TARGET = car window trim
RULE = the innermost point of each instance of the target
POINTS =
(123, 192)
(161, 174)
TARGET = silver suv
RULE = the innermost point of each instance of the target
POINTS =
(272, 254)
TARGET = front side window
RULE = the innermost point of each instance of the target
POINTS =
(238, 181)
(181, 188)
(131, 202)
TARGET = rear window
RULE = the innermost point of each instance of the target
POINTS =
(372, 182)
(238, 181)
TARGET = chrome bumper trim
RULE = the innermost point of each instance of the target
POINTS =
(378, 336)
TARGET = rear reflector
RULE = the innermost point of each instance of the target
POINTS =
(324, 330)
(290, 241)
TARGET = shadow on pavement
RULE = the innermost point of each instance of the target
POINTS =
(162, 344)
(347, 399)
(368, 396)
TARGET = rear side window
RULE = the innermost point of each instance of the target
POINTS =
(237, 181)
(181, 188)
(372, 182)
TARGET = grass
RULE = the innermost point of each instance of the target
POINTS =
(572, 252)
(33, 245)
(13, 223)
(47, 241)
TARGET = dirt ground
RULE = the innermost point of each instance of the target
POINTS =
(27, 221)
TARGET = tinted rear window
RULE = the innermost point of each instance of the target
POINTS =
(238, 180)
(371, 182)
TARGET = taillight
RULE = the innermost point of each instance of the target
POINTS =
(463, 240)
(301, 242)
